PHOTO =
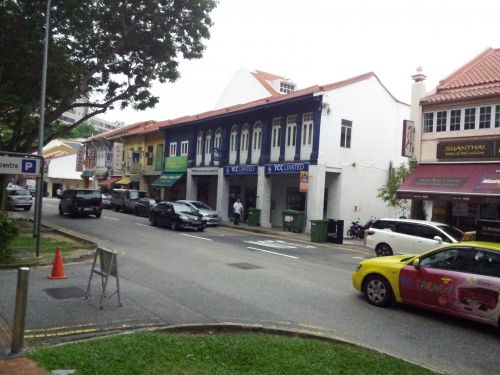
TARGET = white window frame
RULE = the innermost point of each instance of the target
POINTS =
(208, 148)
(173, 149)
(233, 149)
(218, 139)
(199, 148)
(256, 142)
(345, 133)
(276, 139)
(184, 148)
(290, 137)
(307, 135)
(244, 143)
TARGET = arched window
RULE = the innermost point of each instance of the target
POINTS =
(218, 139)
(233, 145)
(276, 139)
(256, 142)
(208, 147)
(199, 148)
(307, 136)
(244, 141)
(291, 137)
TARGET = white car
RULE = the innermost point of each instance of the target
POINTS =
(210, 216)
(405, 236)
(19, 198)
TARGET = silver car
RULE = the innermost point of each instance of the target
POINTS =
(19, 198)
(210, 216)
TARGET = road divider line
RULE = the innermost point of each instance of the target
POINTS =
(358, 258)
(111, 218)
(272, 252)
(201, 238)
(143, 225)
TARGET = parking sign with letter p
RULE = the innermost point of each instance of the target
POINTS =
(28, 166)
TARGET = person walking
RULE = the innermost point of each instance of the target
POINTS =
(238, 210)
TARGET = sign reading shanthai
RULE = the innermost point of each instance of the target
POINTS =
(286, 168)
(467, 150)
(241, 170)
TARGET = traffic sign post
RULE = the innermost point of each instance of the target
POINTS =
(27, 165)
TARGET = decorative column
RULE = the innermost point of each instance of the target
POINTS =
(264, 185)
(315, 194)
(191, 186)
(222, 195)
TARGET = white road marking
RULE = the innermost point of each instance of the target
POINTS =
(279, 244)
(111, 218)
(50, 204)
(201, 238)
(358, 258)
(143, 225)
(272, 252)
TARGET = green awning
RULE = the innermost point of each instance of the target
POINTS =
(88, 173)
(167, 179)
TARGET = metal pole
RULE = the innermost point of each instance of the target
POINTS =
(39, 180)
(20, 309)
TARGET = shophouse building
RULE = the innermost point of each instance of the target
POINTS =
(324, 150)
(457, 145)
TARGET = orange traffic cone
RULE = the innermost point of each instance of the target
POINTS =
(58, 267)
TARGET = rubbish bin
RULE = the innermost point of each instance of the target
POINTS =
(293, 220)
(319, 230)
(335, 231)
(253, 217)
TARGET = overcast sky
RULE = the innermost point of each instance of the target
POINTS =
(325, 41)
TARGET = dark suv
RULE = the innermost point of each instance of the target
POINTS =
(125, 199)
(79, 202)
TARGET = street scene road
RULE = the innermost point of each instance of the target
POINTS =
(226, 275)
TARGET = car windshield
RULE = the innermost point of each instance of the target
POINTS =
(200, 205)
(20, 192)
(88, 194)
(453, 232)
(183, 208)
(138, 194)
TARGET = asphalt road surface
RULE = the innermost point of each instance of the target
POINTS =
(225, 275)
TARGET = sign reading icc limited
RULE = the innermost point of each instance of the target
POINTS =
(19, 165)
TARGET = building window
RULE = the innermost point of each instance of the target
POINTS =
(276, 133)
(208, 144)
(257, 137)
(286, 88)
(441, 121)
(291, 131)
(345, 133)
(199, 144)
(470, 118)
(428, 122)
(150, 155)
(484, 117)
(307, 128)
(184, 147)
(233, 140)
(455, 118)
(218, 139)
(173, 149)
(497, 116)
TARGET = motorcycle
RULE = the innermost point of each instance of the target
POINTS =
(356, 230)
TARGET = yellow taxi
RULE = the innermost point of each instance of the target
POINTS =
(461, 279)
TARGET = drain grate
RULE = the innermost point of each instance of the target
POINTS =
(245, 266)
(65, 293)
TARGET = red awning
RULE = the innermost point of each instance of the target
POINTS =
(109, 181)
(460, 180)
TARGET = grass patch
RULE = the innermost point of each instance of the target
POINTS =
(154, 353)
(48, 244)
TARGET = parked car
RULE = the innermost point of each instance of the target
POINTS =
(461, 279)
(80, 202)
(106, 200)
(32, 190)
(210, 216)
(176, 216)
(17, 197)
(143, 206)
(400, 236)
(125, 199)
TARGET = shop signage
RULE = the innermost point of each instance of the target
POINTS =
(241, 170)
(286, 168)
(488, 230)
(176, 164)
(115, 173)
(304, 181)
(408, 138)
(481, 149)
(19, 165)
(80, 159)
(117, 157)
(441, 181)
(209, 171)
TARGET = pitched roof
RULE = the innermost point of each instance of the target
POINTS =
(119, 132)
(477, 79)
(271, 99)
(263, 79)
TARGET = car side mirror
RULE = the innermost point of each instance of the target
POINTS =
(416, 263)
(438, 239)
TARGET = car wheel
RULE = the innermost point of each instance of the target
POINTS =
(152, 219)
(202, 228)
(136, 212)
(378, 291)
(116, 208)
(174, 225)
(61, 211)
(98, 215)
(27, 208)
(383, 250)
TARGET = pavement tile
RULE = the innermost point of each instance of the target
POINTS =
(20, 366)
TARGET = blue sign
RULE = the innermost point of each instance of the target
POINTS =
(28, 166)
(241, 170)
(286, 168)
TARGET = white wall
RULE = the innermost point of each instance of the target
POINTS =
(377, 125)
(243, 87)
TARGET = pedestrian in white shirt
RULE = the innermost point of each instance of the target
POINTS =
(238, 210)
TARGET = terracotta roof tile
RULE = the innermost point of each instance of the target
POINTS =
(263, 79)
(478, 78)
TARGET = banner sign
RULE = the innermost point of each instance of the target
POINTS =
(117, 157)
(176, 164)
(304, 181)
(467, 150)
(80, 159)
(241, 170)
(286, 168)
(19, 165)
(209, 171)
(407, 148)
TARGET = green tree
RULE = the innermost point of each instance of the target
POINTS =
(82, 131)
(388, 192)
(102, 54)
